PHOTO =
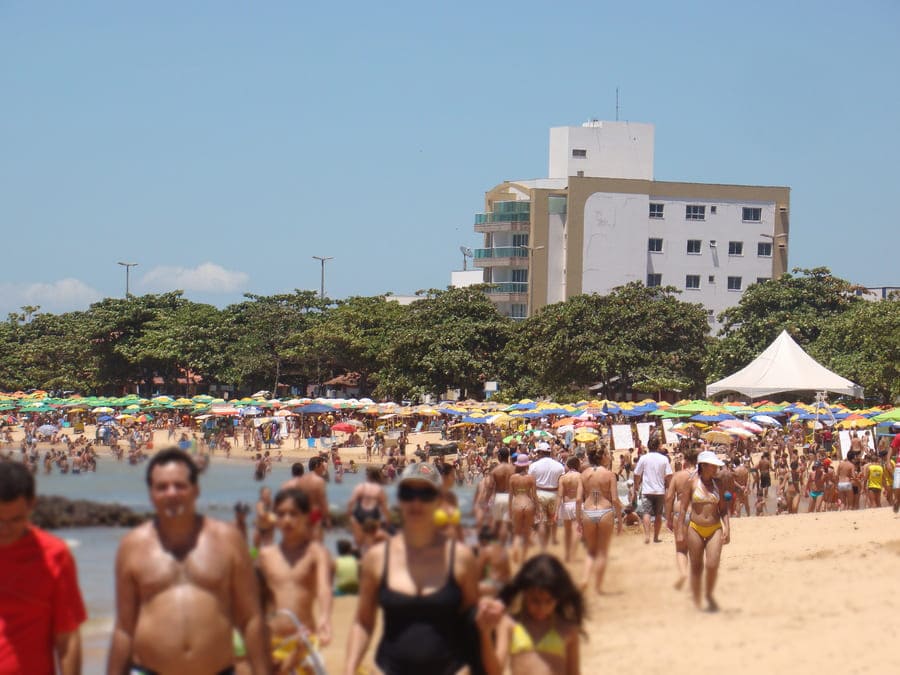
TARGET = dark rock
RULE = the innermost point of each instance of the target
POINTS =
(53, 513)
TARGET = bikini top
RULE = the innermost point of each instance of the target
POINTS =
(551, 644)
(703, 496)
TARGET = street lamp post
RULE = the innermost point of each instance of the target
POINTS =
(128, 266)
(323, 260)
(531, 250)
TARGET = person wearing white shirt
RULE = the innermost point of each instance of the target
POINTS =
(651, 478)
(547, 472)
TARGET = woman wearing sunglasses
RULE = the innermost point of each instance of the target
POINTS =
(426, 585)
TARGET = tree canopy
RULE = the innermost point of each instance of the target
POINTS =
(633, 339)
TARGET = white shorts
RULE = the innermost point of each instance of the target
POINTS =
(896, 485)
(500, 508)
(567, 510)
(547, 500)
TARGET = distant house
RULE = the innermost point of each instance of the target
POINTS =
(343, 386)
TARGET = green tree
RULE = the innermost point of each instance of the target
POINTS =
(263, 339)
(632, 335)
(801, 302)
(448, 340)
(353, 336)
(114, 328)
(863, 345)
(188, 336)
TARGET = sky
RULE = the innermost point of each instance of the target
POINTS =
(220, 145)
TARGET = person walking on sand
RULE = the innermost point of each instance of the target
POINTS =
(183, 580)
(571, 496)
(426, 585)
(651, 478)
(600, 512)
(708, 528)
(41, 608)
(499, 495)
(546, 471)
(296, 574)
(523, 507)
(677, 510)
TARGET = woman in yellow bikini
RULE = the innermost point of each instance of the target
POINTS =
(708, 528)
(447, 515)
(542, 637)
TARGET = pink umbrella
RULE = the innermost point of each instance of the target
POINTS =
(741, 424)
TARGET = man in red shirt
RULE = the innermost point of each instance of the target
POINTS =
(40, 604)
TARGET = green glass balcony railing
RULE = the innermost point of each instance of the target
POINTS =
(501, 252)
(506, 212)
(508, 287)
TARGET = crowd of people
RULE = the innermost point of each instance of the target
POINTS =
(194, 594)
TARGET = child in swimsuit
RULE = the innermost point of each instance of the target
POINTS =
(543, 636)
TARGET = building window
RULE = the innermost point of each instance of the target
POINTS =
(734, 283)
(711, 279)
(761, 280)
(654, 280)
(764, 249)
(751, 214)
(518, 311)
(656, 210)
(695, 212)
(692, 281)
(576, 152)
(520, 276)
(654, 245)
(735, 248)
(712, 210)
(520, 240)
(693, 246)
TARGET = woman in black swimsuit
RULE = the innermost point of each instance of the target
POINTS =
(426, 584)
(367, 502)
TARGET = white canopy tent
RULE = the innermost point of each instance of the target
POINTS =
(784, 366)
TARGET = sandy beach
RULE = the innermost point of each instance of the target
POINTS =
(799, 594)
(809, 593)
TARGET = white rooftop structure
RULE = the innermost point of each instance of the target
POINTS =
(784, 366)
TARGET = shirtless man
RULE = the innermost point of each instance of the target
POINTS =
(264, 524)
(500, 510)
(182, 582)
(725, 480)
(313, 484)
(675, 509)
(295, 573)
(765, 473)
(741, 488)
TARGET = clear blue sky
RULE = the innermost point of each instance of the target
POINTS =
(221, 144)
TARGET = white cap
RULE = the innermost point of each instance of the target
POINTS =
(709, 457)
(543, 446)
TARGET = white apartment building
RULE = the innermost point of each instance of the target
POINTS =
(600, 220)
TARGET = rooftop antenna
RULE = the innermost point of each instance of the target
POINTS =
(467, 253)
(617, 104)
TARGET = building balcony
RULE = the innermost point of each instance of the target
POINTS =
(502, 222)
(501, 256)
(506, 217)
(508, 291)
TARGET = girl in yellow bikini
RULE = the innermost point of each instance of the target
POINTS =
(542, 638)
(708, 528)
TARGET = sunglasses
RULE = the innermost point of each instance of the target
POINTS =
(408, 493)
